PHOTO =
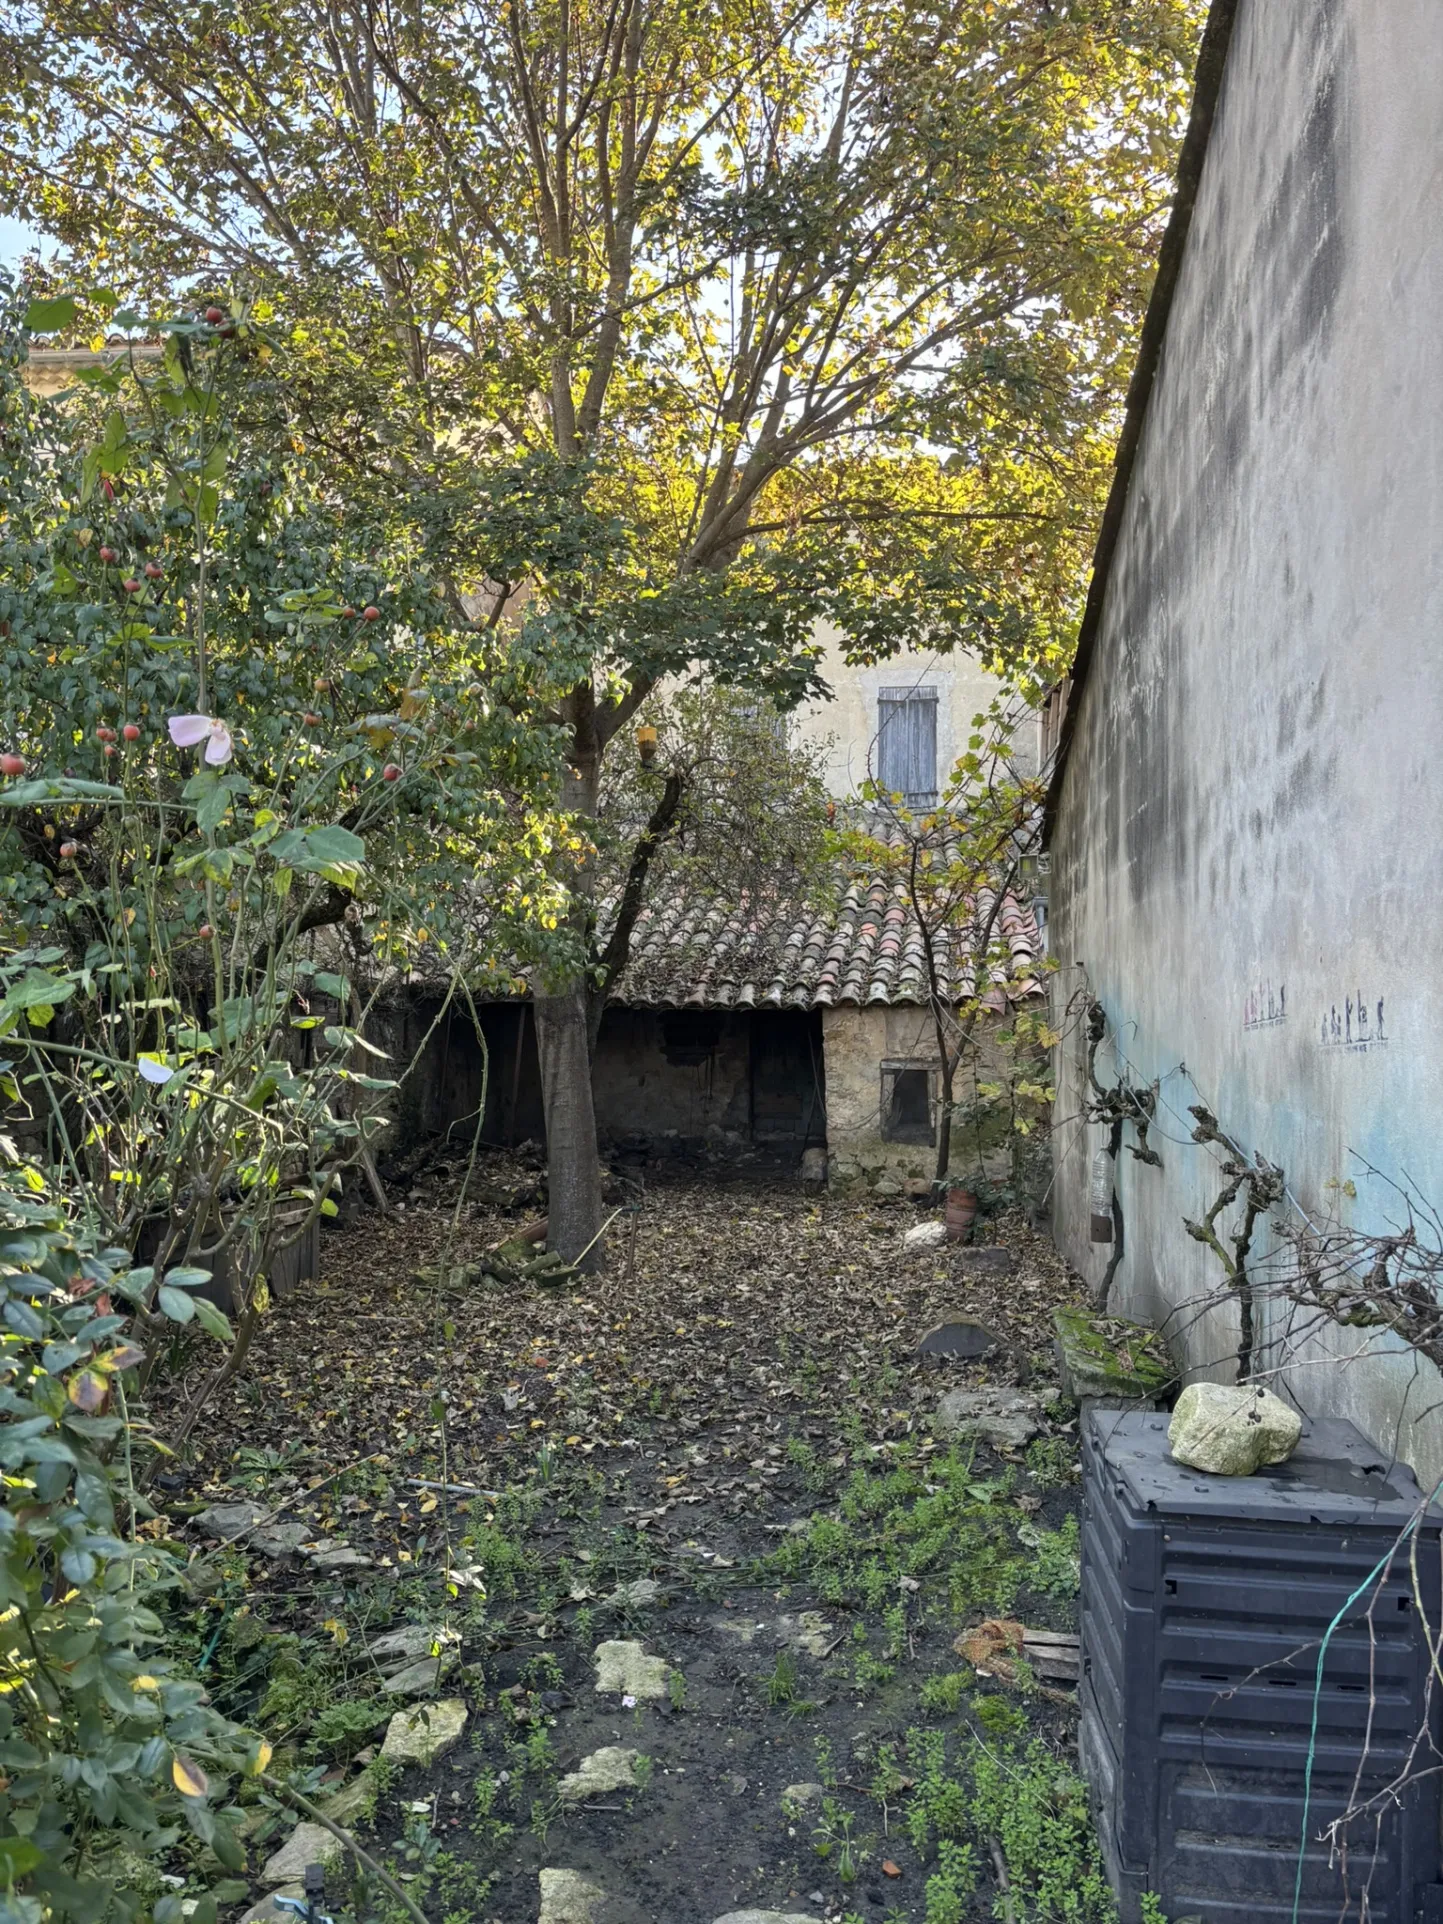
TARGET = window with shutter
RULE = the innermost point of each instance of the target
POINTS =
(907, 744)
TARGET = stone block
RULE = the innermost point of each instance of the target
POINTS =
(624, 1669)
(421, 1736)
(307, 1844)
(610, 1768)
(1105, 1359)
(1007, 1419)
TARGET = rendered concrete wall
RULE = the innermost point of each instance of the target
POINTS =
(1247, 866)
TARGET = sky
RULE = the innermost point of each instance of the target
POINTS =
(15, 238)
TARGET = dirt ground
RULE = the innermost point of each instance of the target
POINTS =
(731, 1416)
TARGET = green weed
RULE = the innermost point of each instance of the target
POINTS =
(804, 1458)
(1036, 1808)
(341, 1729)
(834, 1833)
(1057, 1568)
(1052, 1461)
(904, 1523)
(894, 1622)
(942, 1696)
(953, 1882)
(998, 1717)
(781, 1685)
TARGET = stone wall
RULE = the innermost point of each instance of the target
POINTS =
(683, 1076)
(857, 1044)
(1247, 861)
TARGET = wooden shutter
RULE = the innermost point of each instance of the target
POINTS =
(907, 744)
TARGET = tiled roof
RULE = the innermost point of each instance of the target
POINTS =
(865, 950)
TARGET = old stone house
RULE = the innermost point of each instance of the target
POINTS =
(1246, 861)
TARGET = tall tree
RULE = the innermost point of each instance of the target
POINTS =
(820, 308)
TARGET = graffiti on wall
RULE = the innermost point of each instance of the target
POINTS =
(1357, 1024)
(1264, 1007)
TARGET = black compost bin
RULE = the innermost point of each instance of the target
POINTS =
(1205, 1600)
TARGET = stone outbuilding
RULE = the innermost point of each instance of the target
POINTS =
(759, 1025)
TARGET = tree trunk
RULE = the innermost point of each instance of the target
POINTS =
(573, 1162)
(944, 1120)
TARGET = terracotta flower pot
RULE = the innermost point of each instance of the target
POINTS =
(960, 1213)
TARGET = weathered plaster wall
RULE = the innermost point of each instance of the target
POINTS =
(845, 728)
(1248, 844)
(856, 1042)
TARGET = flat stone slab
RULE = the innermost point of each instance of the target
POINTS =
(636, 1595)
(623, 1669)
(269, 1912)
(1007, 1419)
(810, 1631)
(229, 1520)
(307, 1844)
(607, 1769)
(990, 1262)
(356, 1804)
(417, 1679)
(280, 1539)
(958, 1339)
(412, 1642)
(421, 1736)
(337, 1556)
(768, 1917)
(567, 1898)
(739, 1629)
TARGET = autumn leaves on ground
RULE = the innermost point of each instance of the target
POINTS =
(712, 1618)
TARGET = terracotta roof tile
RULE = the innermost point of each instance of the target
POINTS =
(770, 954)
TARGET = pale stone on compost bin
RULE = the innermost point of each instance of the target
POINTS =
(567, 1898)
(623, 1669)
(1232, 1430)
(607, 1769)
(307, 1844)
(1007, 1419)
(421, 1736)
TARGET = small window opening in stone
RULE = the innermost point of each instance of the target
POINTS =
(909, 1108)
